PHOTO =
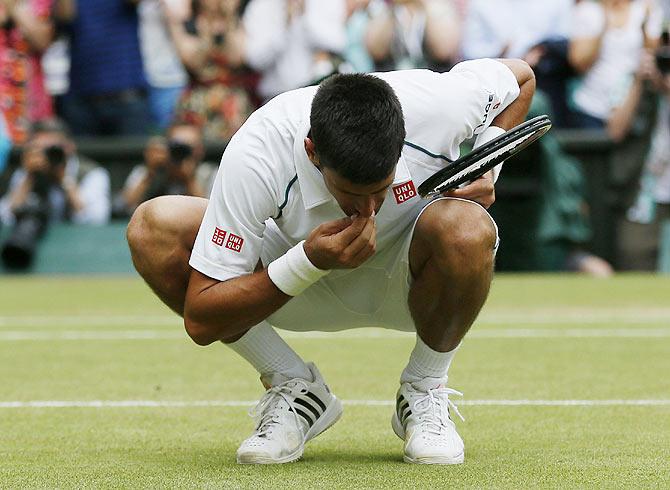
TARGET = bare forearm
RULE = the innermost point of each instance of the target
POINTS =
(443, 32)
(517, 110)
(191, 49)
(134, 195)
(193, 188)
(619, 123)
(74, 197)
(235, 46)
(582, 53)
(379, 36)
(65, 10)
(223, 310)
(38, 32)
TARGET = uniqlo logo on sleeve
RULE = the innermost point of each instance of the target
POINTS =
(234, 243)
(219, 236)
(404, 192)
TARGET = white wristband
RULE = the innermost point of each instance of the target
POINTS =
(292, 273)
(485, 136)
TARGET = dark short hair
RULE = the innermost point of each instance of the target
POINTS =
(357, 127)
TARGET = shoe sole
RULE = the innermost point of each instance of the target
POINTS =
(435, 460)
(332, 414)
(400, 432)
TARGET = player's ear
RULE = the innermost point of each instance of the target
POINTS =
(310, 149)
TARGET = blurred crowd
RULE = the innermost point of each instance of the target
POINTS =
(185, 72)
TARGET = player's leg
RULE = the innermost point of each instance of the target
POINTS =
(451, 259)
(298, 405)
(160, 235)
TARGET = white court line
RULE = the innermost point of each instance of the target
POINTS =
(521, 316)
(364, 403)
(498, 333)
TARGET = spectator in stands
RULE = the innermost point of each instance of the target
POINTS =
(162, 66)
(293, 43)
(26, 30)
(56, 68)
(645, 235)
(107, 87)
(406, 34)
(221, 89)
(78, 189)
(357, 59)
(610, 48)
(53, 184)
(535, 31)
(172, 166)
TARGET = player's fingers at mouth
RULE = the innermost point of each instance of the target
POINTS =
(365, 243)
(350, 233)
(366, 251)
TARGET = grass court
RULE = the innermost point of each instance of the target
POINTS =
(566, 383)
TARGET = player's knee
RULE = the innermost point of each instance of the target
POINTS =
(458, 230)
(142, 233)
(136, 230)
(200, 334)
(153, 230)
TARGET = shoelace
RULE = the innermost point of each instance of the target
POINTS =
(430, 410)
(265, 413)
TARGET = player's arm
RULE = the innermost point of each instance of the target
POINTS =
(216, 310)
(482, 190)
(223, 310)
(516, 112)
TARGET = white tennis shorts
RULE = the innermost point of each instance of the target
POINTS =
(372, 295)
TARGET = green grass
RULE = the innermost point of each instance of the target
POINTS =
(612, 446)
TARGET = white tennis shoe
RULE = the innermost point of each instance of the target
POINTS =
(422, 420)
(290, 413)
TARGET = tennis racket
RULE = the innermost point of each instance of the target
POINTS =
(487, 156)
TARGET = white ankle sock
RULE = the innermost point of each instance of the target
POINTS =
(267, 352)
(425, 362)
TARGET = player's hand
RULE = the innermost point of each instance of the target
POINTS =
(342, 244)
(481, 190)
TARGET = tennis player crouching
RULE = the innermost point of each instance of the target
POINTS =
(314, 223)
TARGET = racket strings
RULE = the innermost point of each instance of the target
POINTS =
(487, 156)
(497, 154)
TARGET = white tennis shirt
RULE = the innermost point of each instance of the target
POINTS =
(266, 179)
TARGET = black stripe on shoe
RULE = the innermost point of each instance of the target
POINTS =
(403, 419)
(316, 399)
(398, 402)
(308, 406)
(307, 418)
(404, 406)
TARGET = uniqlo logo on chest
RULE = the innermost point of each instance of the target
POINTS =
(219, 236)
(234, 243)
(404, 192)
